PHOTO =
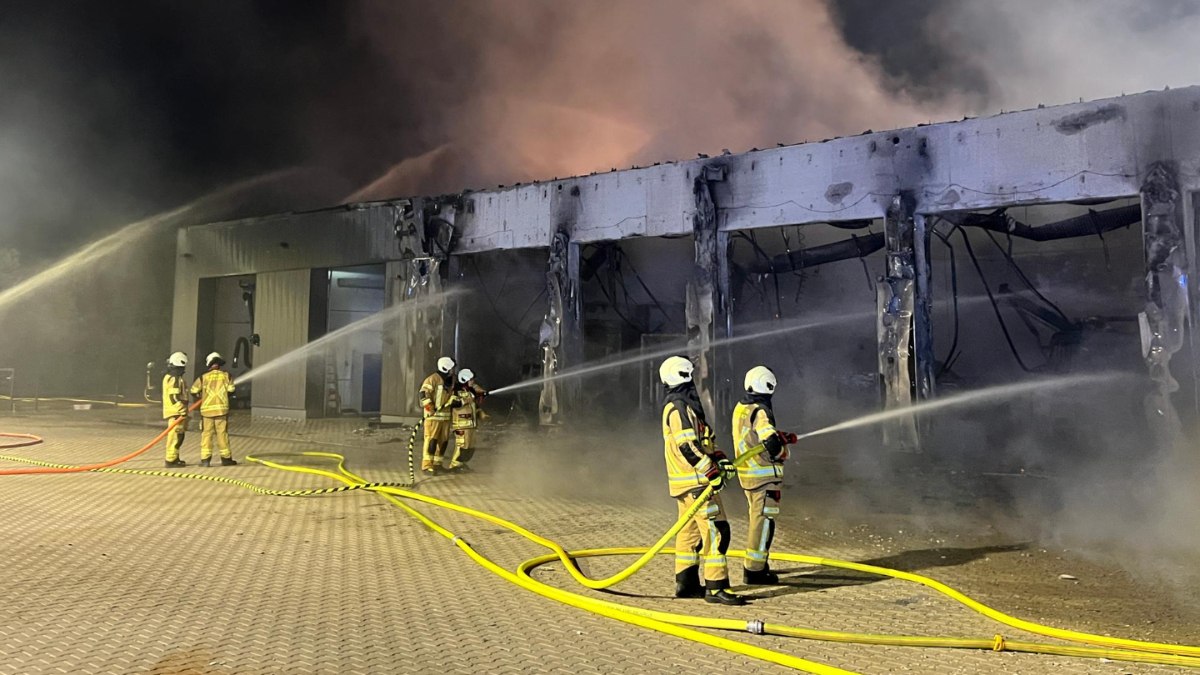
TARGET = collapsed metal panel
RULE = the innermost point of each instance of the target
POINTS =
(896, 304)
(561, 334)
(412, 340)
(281, 318)
(1166, 313)
(707, 301)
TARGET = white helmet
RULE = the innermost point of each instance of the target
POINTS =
(760, 380)
(215, 356)
(177, 360)
(445, 365)
(465, 375)
(675, 371)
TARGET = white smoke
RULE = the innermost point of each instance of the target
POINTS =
(1060, 51)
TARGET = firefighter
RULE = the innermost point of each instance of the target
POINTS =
(694, 463)
(215, 386)
(465, 415)
(175, 406)
(436, 398)
(761, 474)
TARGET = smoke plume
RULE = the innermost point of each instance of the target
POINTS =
(559, 89)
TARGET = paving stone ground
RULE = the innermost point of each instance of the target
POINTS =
(133, 574)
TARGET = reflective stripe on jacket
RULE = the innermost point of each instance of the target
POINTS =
(682, 427)
(434, 398)
(752, 423)
(174, 396)
(215, 386)
(466, 415)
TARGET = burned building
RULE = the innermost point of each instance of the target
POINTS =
(1049, 240)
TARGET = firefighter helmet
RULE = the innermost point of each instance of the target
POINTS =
(465, 375)
(760, 380)
(213, 358)
(676, 370)
(445, 365)
(177, 360)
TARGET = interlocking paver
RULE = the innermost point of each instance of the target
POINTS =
(115, 573)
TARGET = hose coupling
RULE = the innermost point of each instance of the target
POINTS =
(756, 627)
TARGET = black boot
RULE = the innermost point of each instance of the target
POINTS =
(763, 577)
(228, 461)
(206, 461)
(687, 583)
(175, 463)
(718, 592)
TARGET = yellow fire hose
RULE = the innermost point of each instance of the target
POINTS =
(685, 626)
(996, 643)
(362, 485)
(595, 606)
(1115, 648)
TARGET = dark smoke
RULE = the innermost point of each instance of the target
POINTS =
(912, 56)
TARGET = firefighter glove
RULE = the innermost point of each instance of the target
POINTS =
(788, 437)
(727, 469)
(715, 476)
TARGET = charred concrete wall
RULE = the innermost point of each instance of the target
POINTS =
(1089, 152)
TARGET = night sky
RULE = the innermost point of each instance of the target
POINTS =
(139, 106)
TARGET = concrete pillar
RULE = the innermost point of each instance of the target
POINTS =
(1191, 233)
(896, 298)
(1164, 319)
(707, 302)
(923, 359)
(561, 335)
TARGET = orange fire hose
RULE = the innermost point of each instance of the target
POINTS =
(29, 440)
(26, 440)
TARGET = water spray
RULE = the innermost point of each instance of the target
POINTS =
(976, 397)
(756, 332)
(371, 322)
(129, 234)
(662, 352)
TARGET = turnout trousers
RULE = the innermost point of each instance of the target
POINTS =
(437, 435)
(175, 437)
(464, 447)
(214, 430)
(764, 507)
(704, 540)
